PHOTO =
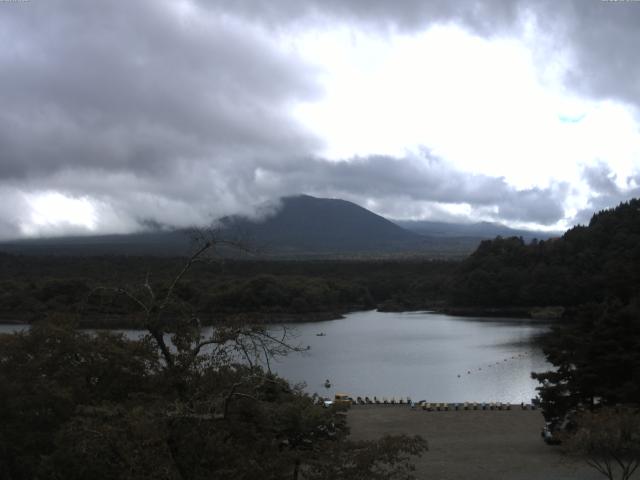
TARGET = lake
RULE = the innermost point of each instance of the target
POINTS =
(423, 355)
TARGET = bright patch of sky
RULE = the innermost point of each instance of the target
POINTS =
(51, 212)
(486, 105)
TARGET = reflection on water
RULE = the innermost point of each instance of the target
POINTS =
(10, 328)
(421, 355)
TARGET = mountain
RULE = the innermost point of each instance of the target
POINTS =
(306, 224)
(302, 226)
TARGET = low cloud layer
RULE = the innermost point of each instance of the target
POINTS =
(388, 185)
(394, 182)
(180, 112)
(605, 191)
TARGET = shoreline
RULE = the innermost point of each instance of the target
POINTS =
(127, 321)
(548, 313)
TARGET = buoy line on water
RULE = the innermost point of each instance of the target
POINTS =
(439, 406)
(519, 356)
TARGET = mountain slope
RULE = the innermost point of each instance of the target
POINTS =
(306, 224)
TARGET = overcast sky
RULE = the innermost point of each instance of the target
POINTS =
(117, 114)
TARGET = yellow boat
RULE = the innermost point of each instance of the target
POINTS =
(342, 399)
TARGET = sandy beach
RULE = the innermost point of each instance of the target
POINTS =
(473, 444)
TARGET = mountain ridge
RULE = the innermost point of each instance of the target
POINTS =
(306, 223)
(482, 230)
(302, 226)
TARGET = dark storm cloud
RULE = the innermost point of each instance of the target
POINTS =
(129, 86)
(422, 178)
(484, 16)
(601, 180)
(604, 36)
(153, 114)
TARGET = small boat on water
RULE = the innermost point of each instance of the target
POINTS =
(321, 334)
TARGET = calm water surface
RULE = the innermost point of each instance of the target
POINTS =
(422, 355)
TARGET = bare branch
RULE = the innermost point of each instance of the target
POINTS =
(147, 285)
(182, 273)
(131, 296)
(266, 357)
(233, 393)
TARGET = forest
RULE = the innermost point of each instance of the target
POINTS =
(587, 264)
(89, 287)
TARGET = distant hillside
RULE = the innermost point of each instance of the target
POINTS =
(160, 243)
(476, 231)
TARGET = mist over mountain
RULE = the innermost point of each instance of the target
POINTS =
(302, 226)
(479, 230)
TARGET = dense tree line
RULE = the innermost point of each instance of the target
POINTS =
(587, 264)
(596, 352)
(31, 287)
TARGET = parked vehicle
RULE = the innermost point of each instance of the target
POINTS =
(548, 435)
(552, 431)
(342, 399)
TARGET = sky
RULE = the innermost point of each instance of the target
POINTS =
(119, 115)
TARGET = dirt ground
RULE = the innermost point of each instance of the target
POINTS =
(473, 444)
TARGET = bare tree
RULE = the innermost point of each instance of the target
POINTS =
(609, 441)
(176, 329)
